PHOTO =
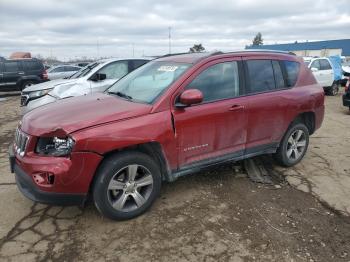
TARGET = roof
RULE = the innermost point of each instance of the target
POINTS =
(193, 58)
(343, 44)
(107, 60)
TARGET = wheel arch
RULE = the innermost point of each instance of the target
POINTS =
(152, 149)
(307, 118)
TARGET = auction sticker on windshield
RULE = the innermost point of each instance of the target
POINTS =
(167, 68)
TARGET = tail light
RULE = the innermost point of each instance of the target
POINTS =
(44, 75)
(347, 85)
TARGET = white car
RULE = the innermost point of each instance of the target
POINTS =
(322, 69)
(61, 71)
(95, 77)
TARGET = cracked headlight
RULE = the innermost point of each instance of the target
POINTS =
(54, 146)
(39, 93)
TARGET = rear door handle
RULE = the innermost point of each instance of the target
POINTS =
(236, 107)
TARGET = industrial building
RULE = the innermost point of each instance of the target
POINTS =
(318, 48)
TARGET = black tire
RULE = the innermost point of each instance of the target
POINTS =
(286, 147)
(116, 169)
(26, 84)
(334, 89)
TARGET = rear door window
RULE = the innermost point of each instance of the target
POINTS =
(11, 66)
(260, 76)
(115, 70)
(71, 68)
(325, 65)
(292, 71)
(220, 81)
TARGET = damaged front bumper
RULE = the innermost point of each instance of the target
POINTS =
(54, 180)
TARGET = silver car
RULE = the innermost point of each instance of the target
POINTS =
(95, 77)
(61, 71)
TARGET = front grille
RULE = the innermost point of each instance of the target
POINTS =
(21, 141)
(24, 100)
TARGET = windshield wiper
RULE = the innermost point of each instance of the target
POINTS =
(121, 94)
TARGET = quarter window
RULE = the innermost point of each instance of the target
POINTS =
(292, 69)
(260, 75)
(217, 82)
(138, 63)
(32, 65)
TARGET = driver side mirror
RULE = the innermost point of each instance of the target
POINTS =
(314, 69)
(189, 97)
(98, 77)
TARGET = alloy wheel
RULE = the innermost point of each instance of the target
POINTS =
(130, 188)
(296, 145)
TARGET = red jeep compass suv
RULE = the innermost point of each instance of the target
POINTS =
(171, 117)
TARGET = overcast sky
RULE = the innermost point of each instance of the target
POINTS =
(75, 28)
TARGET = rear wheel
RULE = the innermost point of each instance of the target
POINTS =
(334, 90)
(293, 145)
(126, 185)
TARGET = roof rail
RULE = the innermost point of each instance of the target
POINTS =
(256, 51)
(173, 54)
(187, 53)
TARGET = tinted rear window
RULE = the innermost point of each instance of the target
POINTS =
(32, 65)
(292, 70)
(260, 75)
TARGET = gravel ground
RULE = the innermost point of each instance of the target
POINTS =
(218, 215)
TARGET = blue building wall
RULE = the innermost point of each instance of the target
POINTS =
(343, 44)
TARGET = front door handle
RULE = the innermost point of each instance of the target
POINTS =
(236, 107)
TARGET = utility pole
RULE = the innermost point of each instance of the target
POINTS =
(133, 50)
(98, 48)
(169, 39)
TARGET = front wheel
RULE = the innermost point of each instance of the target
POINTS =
(334, 90)
(26, 84)
(126, 185)
(293, 145)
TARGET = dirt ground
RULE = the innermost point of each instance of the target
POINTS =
(219, 215)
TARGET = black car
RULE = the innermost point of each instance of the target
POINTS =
(17, 74)
(346, 96)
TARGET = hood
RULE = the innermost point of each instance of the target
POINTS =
(346, 69)
(72, 114)
(49, 84)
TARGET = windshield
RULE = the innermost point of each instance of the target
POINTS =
(84, 71)
(146, 83)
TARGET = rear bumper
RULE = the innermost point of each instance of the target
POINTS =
(30, 190)
(346, 100)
